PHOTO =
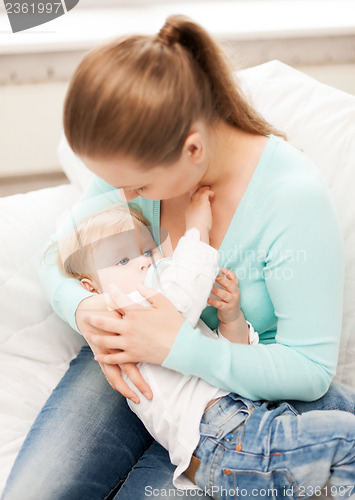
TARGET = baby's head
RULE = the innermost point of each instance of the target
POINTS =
(114, 245)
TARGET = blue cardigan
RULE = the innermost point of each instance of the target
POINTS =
(285, 245)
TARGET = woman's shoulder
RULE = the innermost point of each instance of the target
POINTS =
(292, 173)
(289, 160)
(295, 203)
(290, 188)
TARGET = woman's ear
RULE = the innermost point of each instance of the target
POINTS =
(194, 147)
(89, 285)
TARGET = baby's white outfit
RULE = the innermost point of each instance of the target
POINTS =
(173, 416)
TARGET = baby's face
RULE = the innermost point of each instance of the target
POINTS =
(124, 259)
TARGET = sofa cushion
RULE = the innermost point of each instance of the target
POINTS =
(36, 346)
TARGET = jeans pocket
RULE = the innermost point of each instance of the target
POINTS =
(274, 485)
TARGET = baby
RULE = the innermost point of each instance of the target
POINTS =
(116, 246)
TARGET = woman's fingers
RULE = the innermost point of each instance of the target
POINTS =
(114, 332)
(114, 378)
(97, 305)
(106, 340)
(115, 358)
(133, 373)
(139, 338)
(102, 324)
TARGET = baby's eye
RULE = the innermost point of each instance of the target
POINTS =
(148, 253)
(123, 262)
(141, 189)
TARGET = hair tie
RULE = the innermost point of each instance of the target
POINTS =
(168, 35)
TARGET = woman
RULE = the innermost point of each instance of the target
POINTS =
(157, 117)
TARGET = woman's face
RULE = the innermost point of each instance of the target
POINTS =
(156, 183)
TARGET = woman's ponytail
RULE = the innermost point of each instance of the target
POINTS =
(230, 104)
(140, 95)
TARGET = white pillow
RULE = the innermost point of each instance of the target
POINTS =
(72, 165)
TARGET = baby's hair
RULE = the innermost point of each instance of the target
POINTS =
(74, 256)
(139, 95)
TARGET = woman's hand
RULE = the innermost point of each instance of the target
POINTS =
(99, 305)
(146, 333)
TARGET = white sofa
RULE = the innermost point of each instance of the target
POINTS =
(36, 346)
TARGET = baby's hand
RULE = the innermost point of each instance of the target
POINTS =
(228, 305)
(199, 214)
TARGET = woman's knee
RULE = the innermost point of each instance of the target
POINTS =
(152, 477)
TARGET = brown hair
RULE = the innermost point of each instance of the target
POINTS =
(75, 257)
(140, 95)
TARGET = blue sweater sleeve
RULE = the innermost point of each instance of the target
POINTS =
(303, 273)
(65, 294)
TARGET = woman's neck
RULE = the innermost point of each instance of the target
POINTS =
(232, 155)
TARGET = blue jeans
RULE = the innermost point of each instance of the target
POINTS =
(87, 444)
(278, 450)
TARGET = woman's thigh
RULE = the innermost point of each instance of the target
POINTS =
(83, 443)
(152, 477)
(338, 397)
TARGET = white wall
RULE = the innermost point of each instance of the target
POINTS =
(340, 76)
(30, 133)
